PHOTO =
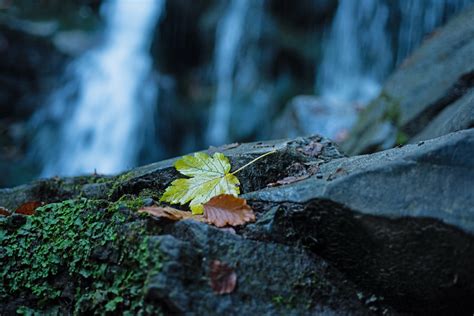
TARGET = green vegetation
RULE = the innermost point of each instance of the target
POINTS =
(392, 114)
(99, 248)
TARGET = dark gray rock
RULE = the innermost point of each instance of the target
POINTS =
(382, 218)
(309, 115)
(382, 233)
(272, 279)
(430, 179)
(457, 116)
(424, 94)
(416, 265)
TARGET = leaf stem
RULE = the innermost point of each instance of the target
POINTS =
(258, 158)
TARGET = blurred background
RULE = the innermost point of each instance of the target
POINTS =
(93, 86)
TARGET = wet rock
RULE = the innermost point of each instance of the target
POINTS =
(429, 95)
(287, 281)
(400, 223)
(148, 202)
(455, 117)
(386, 233)
(307, 115)
(433, 180)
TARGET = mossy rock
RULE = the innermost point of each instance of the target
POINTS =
(77, 256)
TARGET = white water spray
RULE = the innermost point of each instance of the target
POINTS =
(115, 97)
(228, 39)
(362, 47)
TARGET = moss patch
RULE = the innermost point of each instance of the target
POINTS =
(81, 256)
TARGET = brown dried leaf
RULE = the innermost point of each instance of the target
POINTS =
(226, 209)
(28, 208)
(223, 277)
(288, 180)
(5, 212)
(170, 213)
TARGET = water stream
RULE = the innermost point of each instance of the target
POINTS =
(110, 103)
(103, 117)
(228, 39)
(363, 46)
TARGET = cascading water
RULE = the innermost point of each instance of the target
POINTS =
(110, 103)
(419, 18)
(228, 39)
(358, 53)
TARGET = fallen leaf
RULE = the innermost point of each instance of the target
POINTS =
(227, 209)
(4, 212)
(170, 213)
(223, 277)
(28, 208)
(312, 149)
(288, 180)
(209, 177)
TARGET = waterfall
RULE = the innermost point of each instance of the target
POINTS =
(419, 18)
(361, 49)
(228, 39)
(358, 53)
(109, 105)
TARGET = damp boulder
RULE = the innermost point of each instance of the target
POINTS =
(385, 233)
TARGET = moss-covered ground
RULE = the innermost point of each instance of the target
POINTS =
(77, 257)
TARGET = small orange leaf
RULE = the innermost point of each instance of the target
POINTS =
(170, 213)
(28, 208)
(223, 277)
(226, 209)
(4, 212)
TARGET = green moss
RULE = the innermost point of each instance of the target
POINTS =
(392, 109)
(127, 201)
(155, 194)
(98, 248)
(286, 301)
(402, 138)
(119, 180)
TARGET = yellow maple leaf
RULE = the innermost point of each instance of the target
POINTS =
(209, 177)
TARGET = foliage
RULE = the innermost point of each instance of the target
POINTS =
(223, 277)
(169, 213)
(220, 211)
(73, 241)
(209, 176)
(226, 209)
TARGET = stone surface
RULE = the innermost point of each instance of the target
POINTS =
(429, 95)
(271, 278)
(386, 233)
(457, 116)
(308, 115)
(433, 178)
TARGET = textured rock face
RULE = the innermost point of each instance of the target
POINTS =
(272, 278)
(428, 96)
(432, 179)
(387, 233)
